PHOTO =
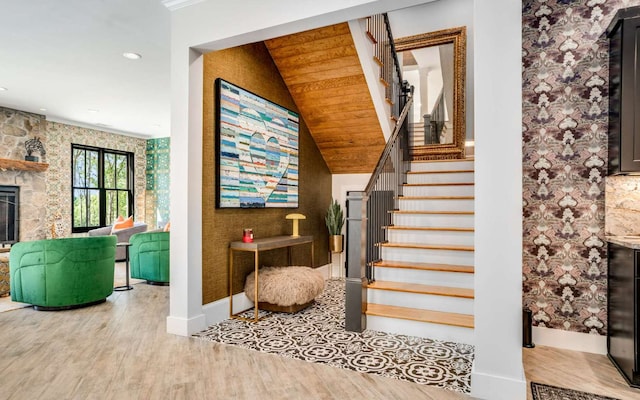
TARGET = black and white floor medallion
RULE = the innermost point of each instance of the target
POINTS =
(317, 334)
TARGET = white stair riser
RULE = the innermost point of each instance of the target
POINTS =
(446, 333)
(422, 301)
(467, 190)
(442, 166)
(431, 256)
(434, 220)
(436, 278)
(436, 205)
(440, 178)
(430, 237)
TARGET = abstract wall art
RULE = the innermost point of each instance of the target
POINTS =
(256, 150)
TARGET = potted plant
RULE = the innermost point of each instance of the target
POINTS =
(335, 220)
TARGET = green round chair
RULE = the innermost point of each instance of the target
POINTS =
(60, 274)
(149, 257)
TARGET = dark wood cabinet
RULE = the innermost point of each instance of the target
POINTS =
(624, 92)
(623, 331)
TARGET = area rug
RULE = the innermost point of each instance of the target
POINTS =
(547, 392)
(317, 334)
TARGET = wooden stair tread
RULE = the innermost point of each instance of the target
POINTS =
(433, 212)
(430, 228)
(427, 246)
(469, 269)
(448, 171)
(448, 160)
(415, 314)
(439, 184)
(422, 289)
(436, 197)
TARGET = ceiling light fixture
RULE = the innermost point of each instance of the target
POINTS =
(131, 56)
(92, 110)
(3, 89)
(43, 109)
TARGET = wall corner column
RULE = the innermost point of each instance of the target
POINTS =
(185, 299)
(498, 372)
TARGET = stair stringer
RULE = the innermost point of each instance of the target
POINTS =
(371, 71)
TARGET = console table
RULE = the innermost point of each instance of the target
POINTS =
(258, 245)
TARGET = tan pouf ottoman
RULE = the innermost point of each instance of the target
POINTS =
(285, 289)
(4, 275)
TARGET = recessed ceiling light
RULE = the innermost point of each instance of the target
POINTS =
(132, 56)
(155, 126)
(3, 89)
(43, 109)
(92, 110)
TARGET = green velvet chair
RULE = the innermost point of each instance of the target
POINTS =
(149, 257)
(59, 274)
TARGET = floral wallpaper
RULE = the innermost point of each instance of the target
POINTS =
(565, 106)
(59, 140)
(157, 186)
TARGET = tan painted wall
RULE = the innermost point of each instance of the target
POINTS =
(252, 68)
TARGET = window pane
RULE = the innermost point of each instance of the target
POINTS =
(79, 177)
(109, 170)
(121, 167)
(79, 208)
(92, 169)
(94, 208)
(123, 203)
(111, 206)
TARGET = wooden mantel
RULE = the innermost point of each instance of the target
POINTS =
(20, 165)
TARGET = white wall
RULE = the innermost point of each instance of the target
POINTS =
(436, 16)
(340, 185)
(497, 371)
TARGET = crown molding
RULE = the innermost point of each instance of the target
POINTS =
(173, 5)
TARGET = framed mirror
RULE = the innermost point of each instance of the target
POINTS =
(435, 64)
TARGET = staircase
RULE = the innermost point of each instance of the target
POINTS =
(424, 283)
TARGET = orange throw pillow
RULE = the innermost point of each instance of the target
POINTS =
(119, 225)
(167, 227)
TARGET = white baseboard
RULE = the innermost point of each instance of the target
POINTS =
(186, 326)
(218, 310)
(494, 387)
(576, 341)
(325, 270)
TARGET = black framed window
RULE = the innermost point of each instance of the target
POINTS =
(102, 186)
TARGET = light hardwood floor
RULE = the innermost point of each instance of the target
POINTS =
(120, 350)
(586, 372)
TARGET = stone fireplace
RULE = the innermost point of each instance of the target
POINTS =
(9, 214)
(15, 128)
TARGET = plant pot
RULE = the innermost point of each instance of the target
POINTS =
(335, 243)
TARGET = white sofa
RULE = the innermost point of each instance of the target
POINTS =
(123, 235)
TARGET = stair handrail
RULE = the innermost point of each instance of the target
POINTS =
(390, 143)
(369, 212)
(384, 189)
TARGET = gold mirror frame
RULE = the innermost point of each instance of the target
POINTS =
(457, 36)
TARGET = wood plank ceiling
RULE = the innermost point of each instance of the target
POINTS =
(322, 70)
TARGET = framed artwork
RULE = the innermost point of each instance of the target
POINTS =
(256, 150)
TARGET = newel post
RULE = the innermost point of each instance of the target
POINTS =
(356, 290)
